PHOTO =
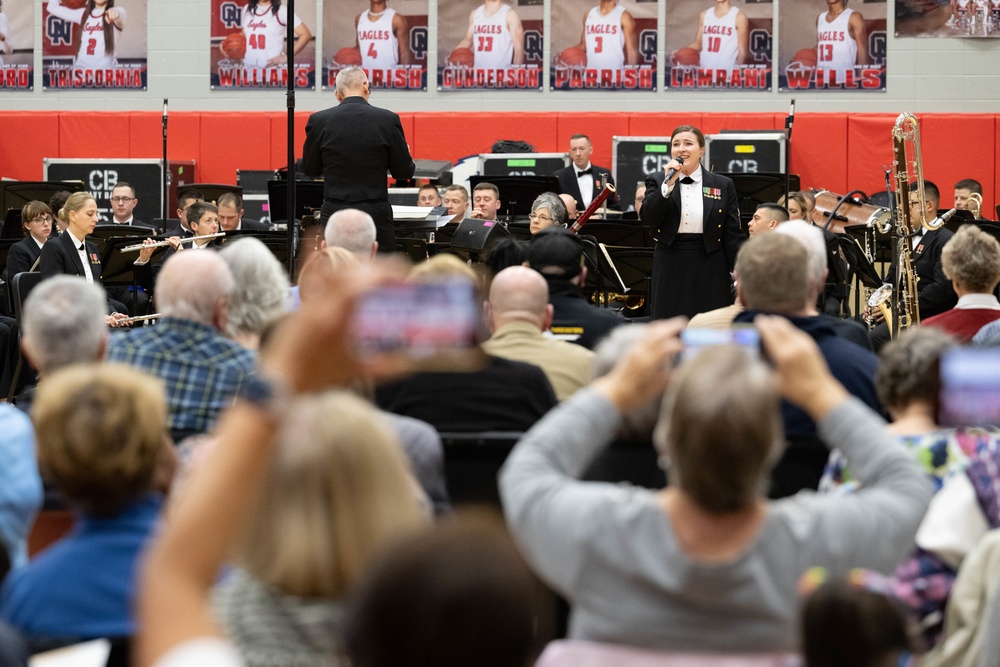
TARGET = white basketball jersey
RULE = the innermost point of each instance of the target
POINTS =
(605, 39)
(377, 42)
(491, 40)
(980, 4)
(995, 4)
(91, 54)
(836, 50)
(265, 34)
(963, 4)
(719, 42)
(5, 29)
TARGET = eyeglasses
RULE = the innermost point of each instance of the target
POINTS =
(122, 200)
(540, 218)
(42, 218)
(914, 202)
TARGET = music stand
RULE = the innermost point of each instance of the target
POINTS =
(118, 268)
(15, 194)
(517, 193)
(104, 233)
(631, 235)
(12, 227)
(630, 270)
(752, 190)
(276, 241)
(865, 273)
(308, 198)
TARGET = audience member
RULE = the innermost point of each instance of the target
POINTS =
(187, 348)
(706, 564)
(101, 442)
(64, 324)
(971, 260)
(547, 210)
(319, 267)
(231, 215)
(428, 195)
(503, 396)
(558, 255)
(337, 491)
(354, 230)
(517, 313)
(954, 459)
(459, 594)
(260, 293)
(20, 485)
(854, 620)
(772, 276)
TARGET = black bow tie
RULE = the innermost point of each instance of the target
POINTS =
(585, 172)
(82, 246)
(687, 180)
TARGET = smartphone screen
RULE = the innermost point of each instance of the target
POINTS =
(696, 340)
(433, 326)
(970, 387)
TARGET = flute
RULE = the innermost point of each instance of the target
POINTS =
(129, 321)
(160, 244)
(594, 205)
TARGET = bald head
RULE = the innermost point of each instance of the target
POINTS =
(352, 230)
(195, 285)
(519, 294)
(570, 205)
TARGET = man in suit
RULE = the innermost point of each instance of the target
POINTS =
(582, 180)
(231, 215)
(935, 294)
(123, 203)
(353, 145)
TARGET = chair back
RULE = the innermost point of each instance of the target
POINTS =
(21, 286)
(471, 464)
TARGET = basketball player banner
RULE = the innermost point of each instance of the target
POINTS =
(832, 45)
(720, 45)
(17, 45)
(88, 44)
(248, 45)
(948, 18)
(491, 45)
(388, 40)
(603, 45)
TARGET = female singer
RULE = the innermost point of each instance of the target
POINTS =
(99, 27)
(697, 226)
(264, 24)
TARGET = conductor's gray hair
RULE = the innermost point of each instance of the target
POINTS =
(350, 81)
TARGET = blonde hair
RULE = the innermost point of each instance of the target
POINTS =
(721, 427)
(323, 264)
(101, 432)
(443, 268)
(75, 202)
(337, 493)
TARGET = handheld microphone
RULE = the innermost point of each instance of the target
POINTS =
(949, 215)
(672, 172)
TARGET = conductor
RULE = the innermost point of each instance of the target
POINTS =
(353, 145)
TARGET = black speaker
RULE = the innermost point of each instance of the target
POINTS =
(478, 235)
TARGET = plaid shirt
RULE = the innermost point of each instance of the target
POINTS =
(199, 366)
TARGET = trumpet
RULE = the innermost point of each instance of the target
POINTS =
(160, 244)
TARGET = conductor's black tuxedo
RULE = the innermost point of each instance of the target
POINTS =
(353, 145)
(569, 185)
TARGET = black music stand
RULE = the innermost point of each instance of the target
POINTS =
(276, 241)
(15, 194)
(102, 234)
(308, 198)
(865, 273)
(752, 190)
(118, 268)
(613, 233)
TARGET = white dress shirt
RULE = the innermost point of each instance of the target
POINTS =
(81, 249)
(692, 203)
(586, 185)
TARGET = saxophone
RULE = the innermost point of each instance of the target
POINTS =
(907, 166)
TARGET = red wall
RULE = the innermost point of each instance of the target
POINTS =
(836, 152)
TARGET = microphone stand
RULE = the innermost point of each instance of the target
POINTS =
(166, 167)
(290, 103)
(789, 121)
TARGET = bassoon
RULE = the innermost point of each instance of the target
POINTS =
(581, 220)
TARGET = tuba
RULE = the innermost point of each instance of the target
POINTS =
(907, 166)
